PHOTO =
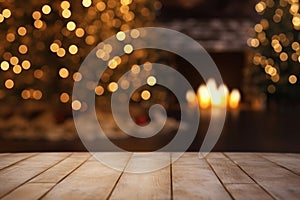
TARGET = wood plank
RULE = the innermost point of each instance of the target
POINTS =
(247, 192)
(196, 181)
(279, 182)
(23, 171)
(289, 161)
(92, 180)
(62, 169)
(7, 160)
(151, 185)
(29, 191)
(227, 171)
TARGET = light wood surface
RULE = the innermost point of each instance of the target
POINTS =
(192, 176)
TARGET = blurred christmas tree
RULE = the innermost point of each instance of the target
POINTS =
(276, 60)
(44, 42)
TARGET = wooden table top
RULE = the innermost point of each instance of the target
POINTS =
(216, 176)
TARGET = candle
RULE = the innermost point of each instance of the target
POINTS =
(223, 93)
(234, 99)
(191, 98)
(204, 98)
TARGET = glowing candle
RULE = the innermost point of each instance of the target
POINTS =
(191, 98)
(234, 99)
(204, 98)
(223, 94)
(213, 92)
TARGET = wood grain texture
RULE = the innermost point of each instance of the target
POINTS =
(192, 176)
(25, 170)
(195, 181)
(7, 160)
(247, 192)
(92, 180)
(278, 181)
(287, 160)
(151, 185)
(29, 191)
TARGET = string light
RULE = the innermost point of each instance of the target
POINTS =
(278, 48)
(73, 29)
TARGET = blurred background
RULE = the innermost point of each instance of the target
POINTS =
(255, 45)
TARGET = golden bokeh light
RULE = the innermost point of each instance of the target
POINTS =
(86, 3)
(38, 24)
(4, 65)
(38, 73)
(65, 5)
(100, 6)
(14, 60)
(283, 56)
(145, 95)
(66, 13)
(124, 84)
(99, 90)
(112, 87)
(36, 15)
(1, 18)
(26, 64)
(9, 84)
(151, 80)
(135, 69)
(64, 73)
(128, 49)
(76, 105)
(23, 49)
(54, 47)
(17, 69)
(6, 13)
(10, 37)
(46, 9)
(73, 49)
(134, 33)
(22, 31)
(77, 76)
(37, 94)
(293, 79)
(71, 25)
(25, 94)
(65, 97)
(61, 52)
(121, 36)
(260, 7)
(90, 40)
(79, 32)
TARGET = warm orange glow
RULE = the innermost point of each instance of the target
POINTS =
(191, 98)
(293, 79)
(37, 94)
(204, 98)
(99, 90)
(145, 95)
(46, 9)
(17, 69)
(76, 105)
(9, 83)
(64, 98)
(151, 80)
(73, 49)
(4, 65)
(113, 86)
(22, 31)
(26, 64)
(77, 76)
(63, 72)
(234, 99)
(128, 49)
